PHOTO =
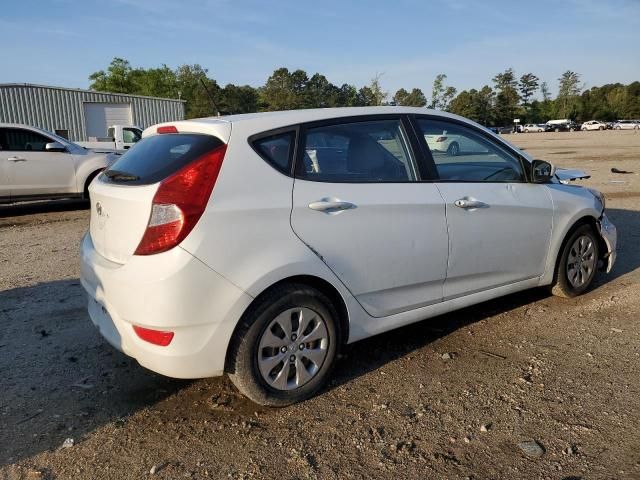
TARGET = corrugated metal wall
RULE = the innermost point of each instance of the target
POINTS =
(54, 108)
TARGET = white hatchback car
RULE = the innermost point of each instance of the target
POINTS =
(258, 244)
(36, 164)
(533, 127)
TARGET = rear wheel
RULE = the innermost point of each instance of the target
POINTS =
(577, 264)
(285, 347)
(454, 149)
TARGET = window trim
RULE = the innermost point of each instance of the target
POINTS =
(431, 164)
(405, 129)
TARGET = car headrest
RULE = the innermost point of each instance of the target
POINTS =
(364, 155)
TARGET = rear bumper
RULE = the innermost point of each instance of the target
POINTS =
(609, 234)
(171, 291)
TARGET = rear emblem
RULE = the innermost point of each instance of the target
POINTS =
(99, 209)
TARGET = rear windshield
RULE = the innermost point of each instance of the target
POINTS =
(153, 159)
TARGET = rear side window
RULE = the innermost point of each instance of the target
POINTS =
(153, 159)
(277, 150)
(359, 152)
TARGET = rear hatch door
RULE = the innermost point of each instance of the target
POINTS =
(122, 196)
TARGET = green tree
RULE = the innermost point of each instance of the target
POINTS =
(507, 98)
(284, 90)
(320, 93)
(238, 99)
(441, 94)
(568, 90)
(348, 96)
(378, 95)
(527, 86)
(116, 79)
(415, 98)
(474, 104)
(201, 93)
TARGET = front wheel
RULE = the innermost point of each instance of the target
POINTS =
(285, 347)
(577, 264)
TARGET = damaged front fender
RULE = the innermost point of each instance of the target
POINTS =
(609, 235)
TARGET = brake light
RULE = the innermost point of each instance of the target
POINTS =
(179, 203)
(441, 139)
(157, 337)
(167, 129)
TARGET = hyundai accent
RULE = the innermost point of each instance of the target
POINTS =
(257, 245)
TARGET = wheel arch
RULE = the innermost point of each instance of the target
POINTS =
(584, 220)
(315, 282)
(87, 182)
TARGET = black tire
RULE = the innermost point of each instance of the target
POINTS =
(453, 149)
(243, 357)
(562, 285)
(556, 129)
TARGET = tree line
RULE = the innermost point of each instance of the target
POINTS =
(498, 103)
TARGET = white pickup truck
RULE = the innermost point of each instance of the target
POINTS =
(119, 138)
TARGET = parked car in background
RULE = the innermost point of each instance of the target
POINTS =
(119, 138)
(626, 125)
(364, 225)
(533, 127)
(503, 130)
(563, 126)
(594, 125)
(36, 164)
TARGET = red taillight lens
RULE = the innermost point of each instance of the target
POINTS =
(157, 337)
(179, 203)
(167, 129)
(441, 139)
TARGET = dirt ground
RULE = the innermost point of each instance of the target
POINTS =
(528, 367)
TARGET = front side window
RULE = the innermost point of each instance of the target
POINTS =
(19, 140)
(130, 135)
(462, 155)
(359, 152)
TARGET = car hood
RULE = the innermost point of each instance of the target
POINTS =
(566, 175)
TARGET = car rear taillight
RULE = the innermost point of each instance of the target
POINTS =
(441, 139)
(157, 337)
(179, 203)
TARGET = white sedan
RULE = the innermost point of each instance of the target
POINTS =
(594, 125)
(36, 164)
(626, 125)
(258, 245)
(532, 127)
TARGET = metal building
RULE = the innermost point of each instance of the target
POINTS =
(82, 114)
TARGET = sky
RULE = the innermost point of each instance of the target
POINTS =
(407, 42)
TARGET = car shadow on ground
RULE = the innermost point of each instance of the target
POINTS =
(61, 379)
(44, 206)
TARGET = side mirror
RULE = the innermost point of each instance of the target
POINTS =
(542, 172)
(55, 147)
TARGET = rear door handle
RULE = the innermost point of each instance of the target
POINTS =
(470, 203)
(327, 205)
(17, 159)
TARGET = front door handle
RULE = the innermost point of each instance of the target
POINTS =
(17, 159)
(330, 205)
(470, 203)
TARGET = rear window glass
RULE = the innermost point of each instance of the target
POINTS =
(277, 150)
(153, 159)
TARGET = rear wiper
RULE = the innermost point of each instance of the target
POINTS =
(121, 176)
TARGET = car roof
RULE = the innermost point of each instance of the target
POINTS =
(269, 120)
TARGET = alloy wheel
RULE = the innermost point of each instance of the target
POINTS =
(581, 261)
(293, 348)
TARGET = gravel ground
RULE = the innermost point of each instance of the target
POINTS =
(527, 386)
